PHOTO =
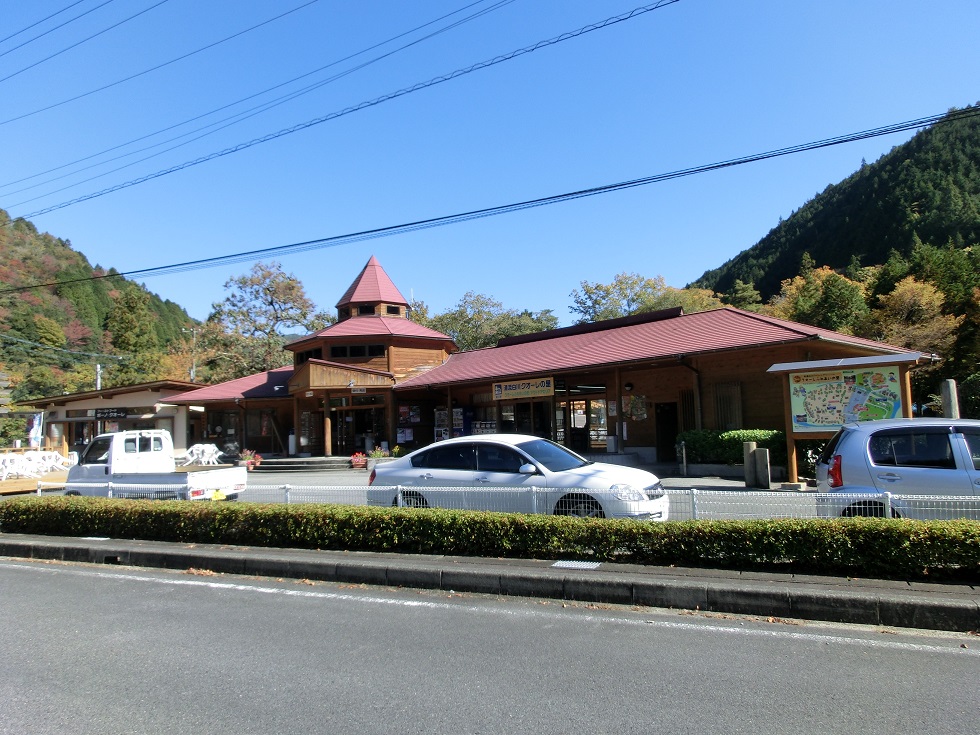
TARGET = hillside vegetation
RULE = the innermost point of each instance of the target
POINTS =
(924, 191)
(51, 335)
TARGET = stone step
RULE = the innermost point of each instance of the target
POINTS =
(303, 464)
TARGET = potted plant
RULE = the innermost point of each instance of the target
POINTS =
(376, 454)
(250, 458)
(358, 460)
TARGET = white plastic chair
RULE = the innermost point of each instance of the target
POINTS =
(193, 455)
(210, 454)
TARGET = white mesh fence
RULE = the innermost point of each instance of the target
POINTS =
(684, 504)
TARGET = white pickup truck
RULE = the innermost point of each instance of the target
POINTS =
(141, 464)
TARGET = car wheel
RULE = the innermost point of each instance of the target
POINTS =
(74, 493)
(867, 509)
(581, 506)
(411, 500)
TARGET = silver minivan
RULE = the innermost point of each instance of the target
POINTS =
(924, 458)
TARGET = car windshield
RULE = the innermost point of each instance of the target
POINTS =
(553, 456)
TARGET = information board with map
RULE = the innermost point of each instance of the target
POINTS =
(822, 401)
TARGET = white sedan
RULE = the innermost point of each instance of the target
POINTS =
(516, 473)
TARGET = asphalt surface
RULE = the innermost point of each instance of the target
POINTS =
(846, 600)
(954, 607)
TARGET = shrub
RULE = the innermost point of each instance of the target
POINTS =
(706, 446)
(860, 546)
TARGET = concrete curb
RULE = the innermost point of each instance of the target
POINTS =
(870, 602)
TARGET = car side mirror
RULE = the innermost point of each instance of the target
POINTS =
(528, 469)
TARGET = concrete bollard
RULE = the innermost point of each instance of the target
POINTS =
(763, 473)
(748, 463)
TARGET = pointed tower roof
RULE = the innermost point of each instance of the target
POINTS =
(372, 286)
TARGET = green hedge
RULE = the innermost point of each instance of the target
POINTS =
(706, 446)
(867, 547)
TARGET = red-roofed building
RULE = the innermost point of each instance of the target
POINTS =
(635, 382)
(337, 396)
(376, 377)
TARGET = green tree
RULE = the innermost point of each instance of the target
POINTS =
(478, 320)
(626, 295)
(839, 307)
(49, 332)
(133, 337)
(820, 297)
(743, 296)
(691, 300)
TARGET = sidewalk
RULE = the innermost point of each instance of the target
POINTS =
(843, 600)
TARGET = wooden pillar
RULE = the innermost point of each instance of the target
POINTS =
(327, 427)
(295, 424)
(791, 474)
(906, 381)
(391, 420)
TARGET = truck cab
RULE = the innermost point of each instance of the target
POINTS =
(126, 452)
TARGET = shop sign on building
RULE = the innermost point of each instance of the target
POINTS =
(111, 413)
(533, 388)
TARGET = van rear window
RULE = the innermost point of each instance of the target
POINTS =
(829, 447)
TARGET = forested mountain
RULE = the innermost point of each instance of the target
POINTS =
(45, 330)
(924, 191)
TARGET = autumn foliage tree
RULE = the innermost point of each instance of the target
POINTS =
(246, 332)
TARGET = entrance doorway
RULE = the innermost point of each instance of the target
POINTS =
(666, 427)
(356, 429)
(533, 417)
(583, 425)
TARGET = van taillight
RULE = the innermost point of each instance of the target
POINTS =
(372, 477)
(834, 478)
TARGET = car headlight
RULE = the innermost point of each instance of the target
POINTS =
(654, 492)
(626, 493)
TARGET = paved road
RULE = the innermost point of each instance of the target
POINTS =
(717, 498)
(114, 650)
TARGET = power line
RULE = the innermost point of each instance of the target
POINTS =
(84, 40)
(379, 232)
(155, 68)
(60, 349)
(245, 114)
(357, 108)
(50, 30)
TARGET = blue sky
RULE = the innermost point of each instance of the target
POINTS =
(688, 84)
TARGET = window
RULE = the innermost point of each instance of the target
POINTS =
(728, 406)
(689, 415)
(498, 459)
(972, 437)
(912, 448)
(145, 444)
(393, 310)
(365, 310)
(448, 457)
(315, 354)
(98, 451)
(357, 351)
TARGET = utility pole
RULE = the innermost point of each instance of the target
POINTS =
(193, 331)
